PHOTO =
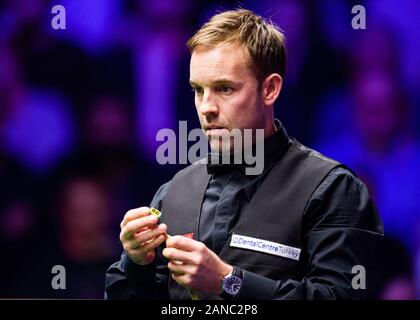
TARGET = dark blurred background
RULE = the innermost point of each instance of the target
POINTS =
(80, 108)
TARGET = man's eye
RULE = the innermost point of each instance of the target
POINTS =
(225, 89)
(197, 90)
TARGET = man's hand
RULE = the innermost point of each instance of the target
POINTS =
(195, 266)
(140, 235)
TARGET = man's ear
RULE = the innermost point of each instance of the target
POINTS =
(271, 88)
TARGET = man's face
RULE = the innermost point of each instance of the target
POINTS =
(226, 92)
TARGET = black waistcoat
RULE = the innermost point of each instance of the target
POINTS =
(274, 213)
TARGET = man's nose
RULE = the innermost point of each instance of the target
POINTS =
(208, 105)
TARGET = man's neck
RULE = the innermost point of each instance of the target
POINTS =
(270, 130)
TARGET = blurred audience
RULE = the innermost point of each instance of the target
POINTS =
(160, 68)
(83, 229)
(383, 143)
(20, 237)
(392, 275)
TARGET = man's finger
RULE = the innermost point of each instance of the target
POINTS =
(150, 234)
(134, 214)
(134, 248)
(181, 279)
(131, 244)
(177, 255)
(180, 268)
(184, 243)
(153, 244)
(134, 226)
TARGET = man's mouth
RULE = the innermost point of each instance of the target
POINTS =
(216, 131)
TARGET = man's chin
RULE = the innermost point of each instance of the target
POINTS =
(220, 148)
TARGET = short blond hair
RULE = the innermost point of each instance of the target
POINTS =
(263, 40)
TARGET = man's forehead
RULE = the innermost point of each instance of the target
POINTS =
(224, 61)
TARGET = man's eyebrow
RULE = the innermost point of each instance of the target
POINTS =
(193, 84)
(224, 81)
(216, 82)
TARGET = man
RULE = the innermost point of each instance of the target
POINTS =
(295, 231)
